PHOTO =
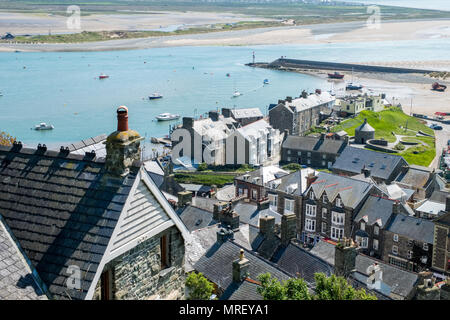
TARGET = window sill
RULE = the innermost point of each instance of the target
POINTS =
(165, 271)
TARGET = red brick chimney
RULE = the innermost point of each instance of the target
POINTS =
(122, 118)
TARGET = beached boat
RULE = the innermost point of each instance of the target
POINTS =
(335, 75)
(167, 116)
(43, 126)
(154, 96)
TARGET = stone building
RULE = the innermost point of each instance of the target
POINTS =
(301, 114)
(382, 167)
(91, 227)
(408, 243)
(313, 152)
(252, 184)
(441, 242)
(355, 104)
(330, 204)
(243, 116)
(364, 133)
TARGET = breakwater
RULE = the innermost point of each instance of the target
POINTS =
(286, 64)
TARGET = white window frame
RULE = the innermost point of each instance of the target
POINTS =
(311, 210)
(395, 250)
(311, 195)
(337, 233)
(395, 237)
(363, 226)
(310, 225)
(409, 254)
(425, 246)
(338, 203)
(324, 227)
(324, 198)
(273, 200)
(376, 230)
(364, 242)
(375, 244)
(291, 206)
(324, 213)
(338, 218)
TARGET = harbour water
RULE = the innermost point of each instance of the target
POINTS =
(63, 89)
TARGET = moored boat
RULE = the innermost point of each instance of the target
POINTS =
(154, 96)
(236, 94)
(353, 86)
(266, 81)
(167, 116)
(103, 76)
(43, 126)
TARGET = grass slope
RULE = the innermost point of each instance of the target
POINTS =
(394, 120)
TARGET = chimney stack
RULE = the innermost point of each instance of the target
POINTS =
(184, 198)
(426, 290)
(310, 178)
(267, 226)
(240, 267)
(214, 115)
(122, 146)
(223, 234)
(188, 122)
(289, 99)
(345, 257)
(226, 112)
(304, 94)
(365, 171)
(318, 91)
(288, 228)
(122, 119)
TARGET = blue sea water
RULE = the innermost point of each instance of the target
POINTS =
(63, 88)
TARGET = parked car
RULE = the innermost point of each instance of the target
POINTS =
(435, 126)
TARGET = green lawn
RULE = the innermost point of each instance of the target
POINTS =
(206, 179)
(385, 122)
(394, 120)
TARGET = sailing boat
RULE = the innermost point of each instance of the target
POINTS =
(352, 85)
(236, 92)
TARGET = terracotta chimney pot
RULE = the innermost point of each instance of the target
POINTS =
(122, 118)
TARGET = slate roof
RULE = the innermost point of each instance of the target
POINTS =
(195, 218)
(217, 264)
(401, 282)
(265, 174)
(62, 208)
(312, 144)
(365, 127)
(415, 176)
(350, 191)
(226, 193)
(296, 181)
(381, 165)
(17, 281)
(431, 207)
(412, 227)
(246, 113)
(376, 209)
(91, 144)
(298, 262)
(439, 196)
(203, 239)
(245, 290)
(249, 213)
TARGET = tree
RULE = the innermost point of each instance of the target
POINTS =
(199, 287)
(292, 289)
(327, 288)
(202, 166)
(337, 288)
(6, 139)
(292, 167)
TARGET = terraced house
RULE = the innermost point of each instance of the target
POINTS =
(89, 227)
(330, 204)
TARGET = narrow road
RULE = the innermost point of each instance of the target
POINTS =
(442, 136)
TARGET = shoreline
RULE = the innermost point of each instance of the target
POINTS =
(356, 31)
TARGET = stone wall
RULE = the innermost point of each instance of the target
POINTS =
(137, 273)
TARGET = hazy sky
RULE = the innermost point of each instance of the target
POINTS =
(425, 4)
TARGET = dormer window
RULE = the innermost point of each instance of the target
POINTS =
(325, 198)
(338, 203)
(425, 246)
(311, 195)
(376, 230)
(363, 226)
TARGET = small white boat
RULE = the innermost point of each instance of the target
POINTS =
(43, 126)
(266, 81)
(167, 116)
(154, 96)
(236, 94)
